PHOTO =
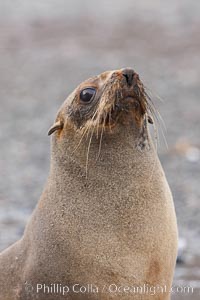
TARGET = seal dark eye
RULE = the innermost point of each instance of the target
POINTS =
(87, 94)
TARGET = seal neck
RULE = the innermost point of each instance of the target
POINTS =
(101, 158)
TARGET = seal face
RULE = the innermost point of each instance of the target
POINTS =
(113, 98)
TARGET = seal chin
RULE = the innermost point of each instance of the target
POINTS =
(124, 112)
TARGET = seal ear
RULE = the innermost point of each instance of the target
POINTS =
(150, 120)
(56, 126)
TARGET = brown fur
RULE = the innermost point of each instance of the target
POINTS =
(106, 215)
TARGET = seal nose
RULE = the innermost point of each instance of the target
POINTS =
(128, 73)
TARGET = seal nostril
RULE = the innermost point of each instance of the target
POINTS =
(128, 74)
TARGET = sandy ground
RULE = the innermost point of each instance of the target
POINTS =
(48, 47)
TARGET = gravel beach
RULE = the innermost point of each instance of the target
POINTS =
(48, 47)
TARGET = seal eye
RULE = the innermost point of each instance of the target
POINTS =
(87, 94)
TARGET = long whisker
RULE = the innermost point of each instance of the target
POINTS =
(101, 137)
(100, 144)
(88, 150)
(110, 118)
(82, 136)
(157, 114)
(85, 131)
(154, 93)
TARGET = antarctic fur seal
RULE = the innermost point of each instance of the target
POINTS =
(105, 225)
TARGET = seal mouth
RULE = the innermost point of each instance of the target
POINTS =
(122, 111)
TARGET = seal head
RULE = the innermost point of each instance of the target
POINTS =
(111, 99)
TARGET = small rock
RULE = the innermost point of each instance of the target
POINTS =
(193, 154)
(182, 244)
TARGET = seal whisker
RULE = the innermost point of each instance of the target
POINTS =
(101, 137)
(155, 112)
(159, 124)
(82, 136)
(153, 92)
(155, 129)
(163, 128)
(88, 150)
(100, 143)
(97, 130)
(110, 118)
(97, 123)
(151, 109)
(85, 130)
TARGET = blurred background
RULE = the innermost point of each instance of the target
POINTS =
(48, 47)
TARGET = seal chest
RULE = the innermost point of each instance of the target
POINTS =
(105, 222)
